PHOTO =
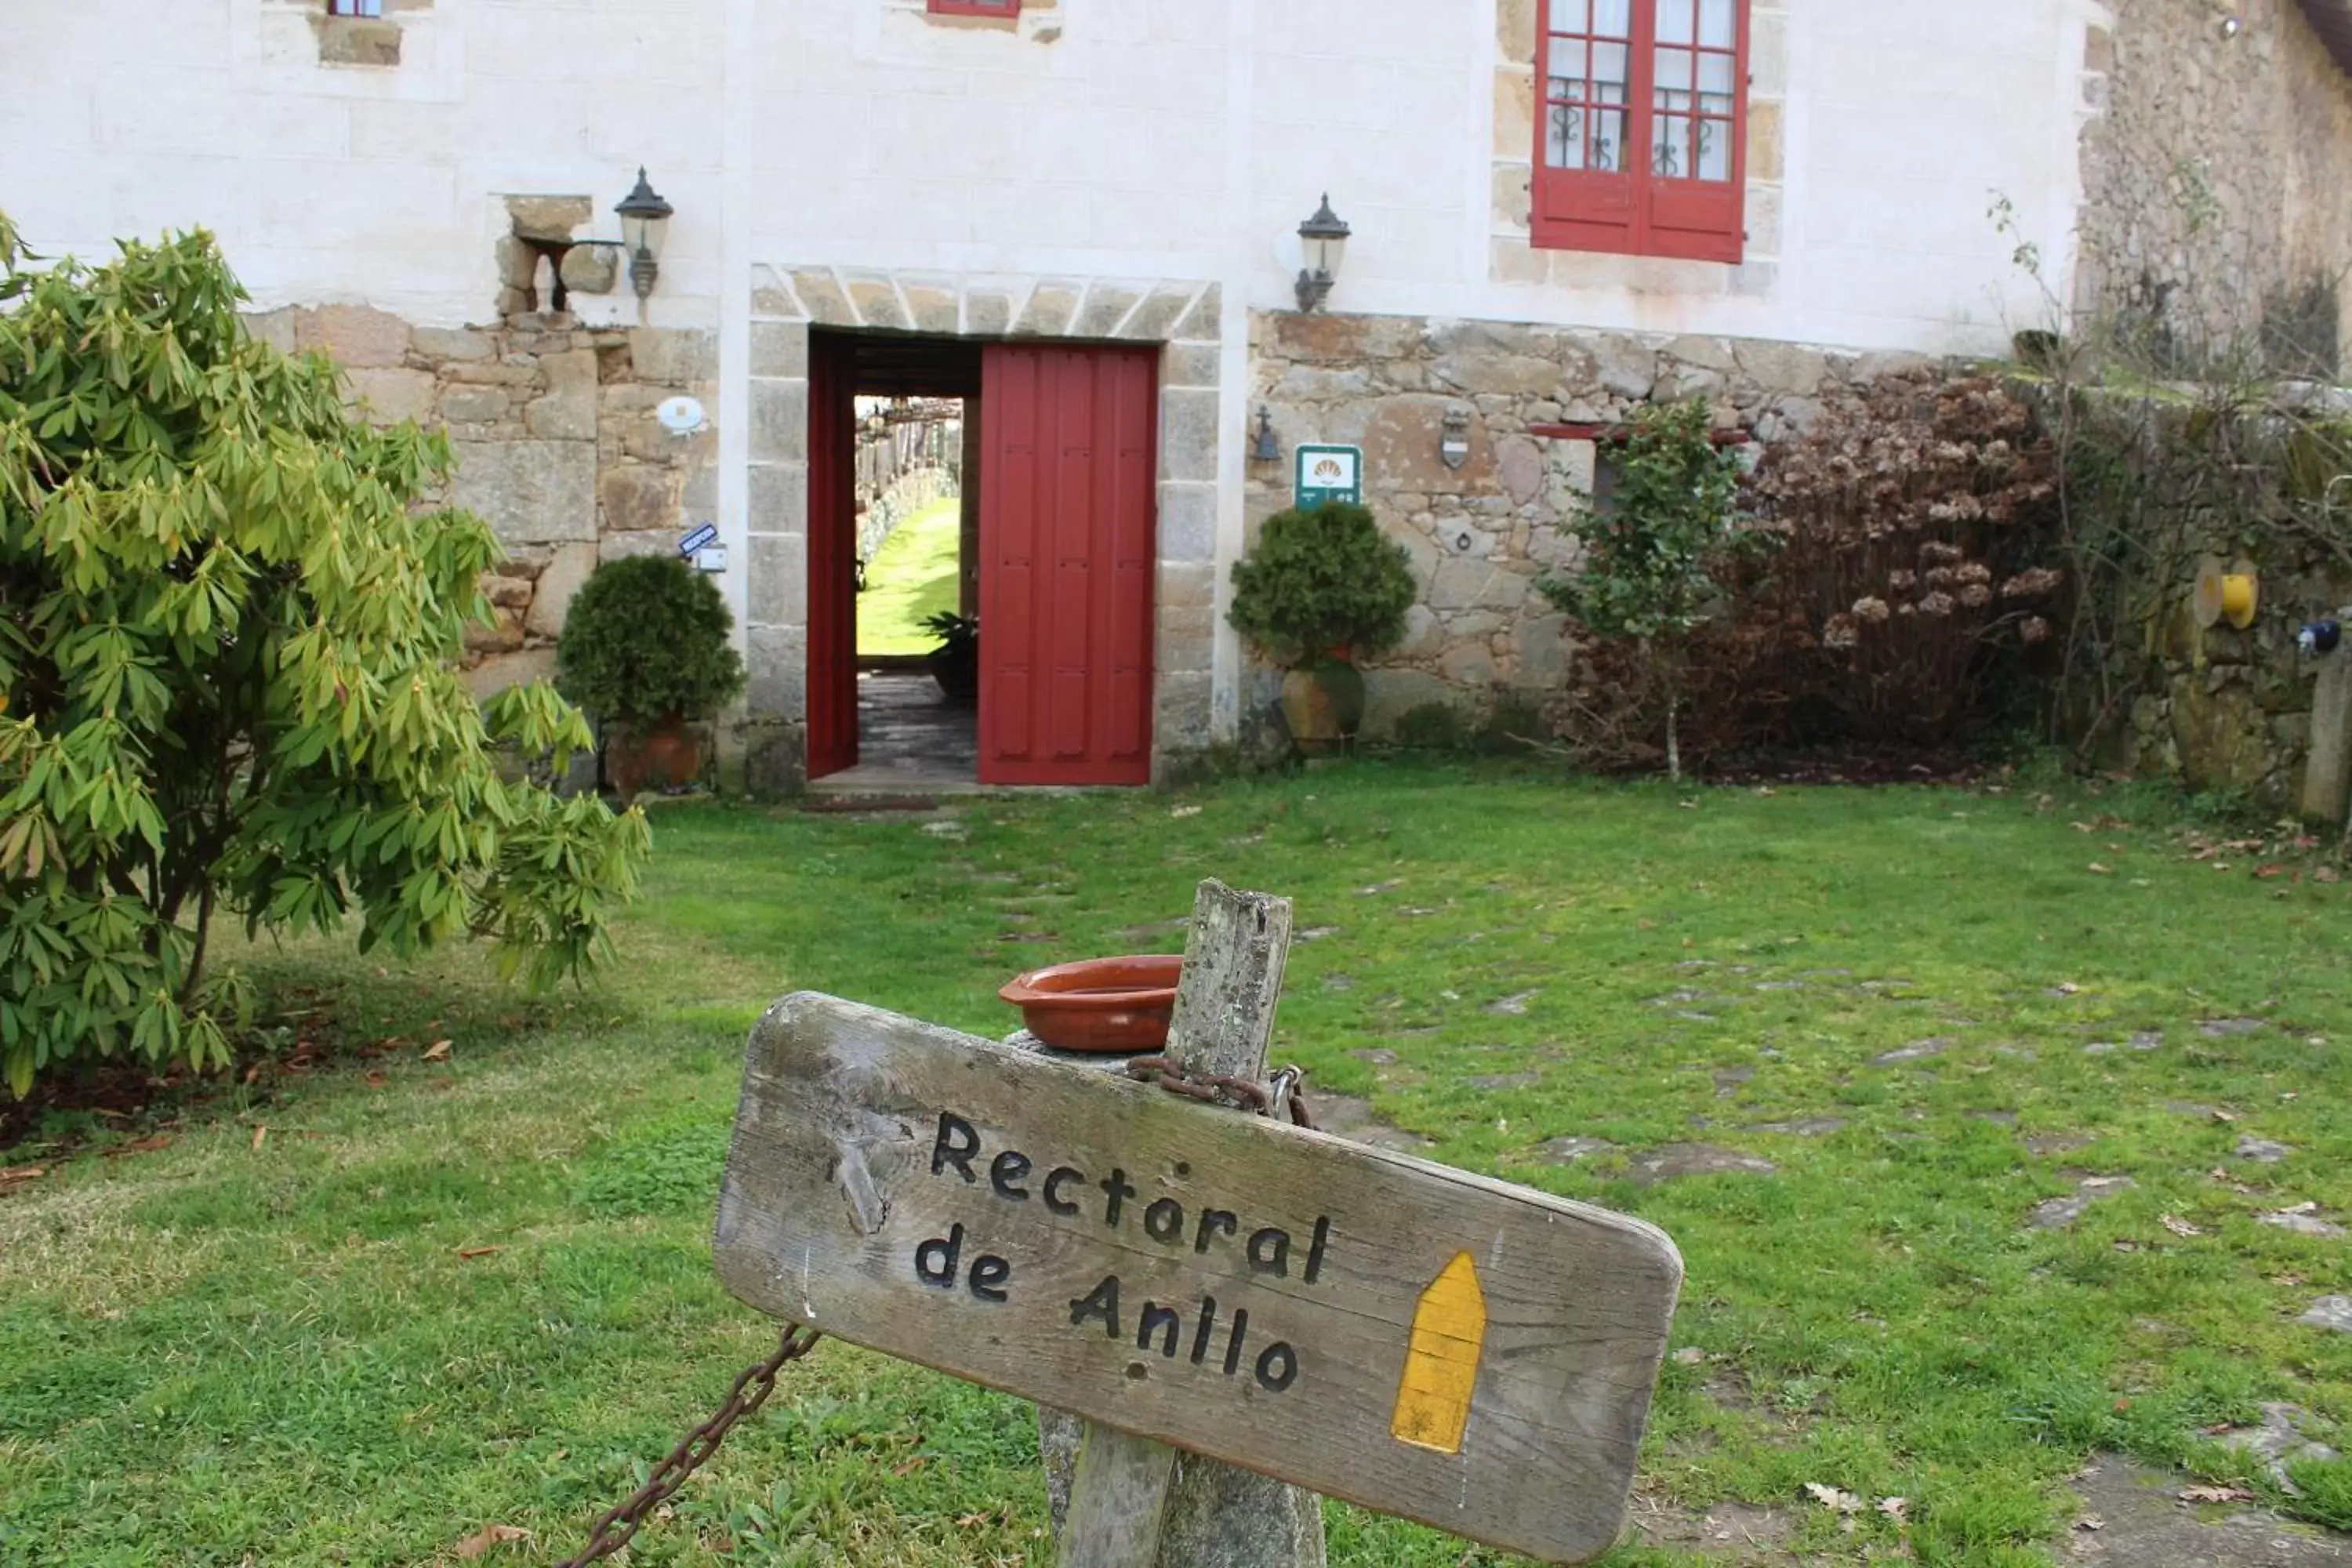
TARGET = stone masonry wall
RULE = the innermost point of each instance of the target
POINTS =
(1481, 535)
(2220, 709)
(557, 447)
(2218, 176)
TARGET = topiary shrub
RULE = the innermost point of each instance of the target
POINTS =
(228, 637)
(646, 641)
(1322, 579)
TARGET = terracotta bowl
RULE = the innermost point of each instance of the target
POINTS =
(1105, 1006)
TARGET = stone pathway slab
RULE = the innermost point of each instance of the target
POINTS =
(2057, 1214)
(2330, 1312)
(1674, 1160)
(2144, 1524)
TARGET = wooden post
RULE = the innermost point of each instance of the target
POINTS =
(1134, 1504)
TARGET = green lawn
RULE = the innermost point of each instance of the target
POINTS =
(911, 577)
(440, 1294)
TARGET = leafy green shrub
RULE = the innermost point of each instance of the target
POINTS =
(227, 641)
(646, 640)
(1322, 579)
(1648, 576)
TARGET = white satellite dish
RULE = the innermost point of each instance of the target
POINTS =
(681, 416)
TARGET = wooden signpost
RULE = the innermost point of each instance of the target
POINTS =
(1418, 1340)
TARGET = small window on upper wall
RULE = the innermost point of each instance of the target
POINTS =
(1641, 134)
(975, 7)
(354, 8)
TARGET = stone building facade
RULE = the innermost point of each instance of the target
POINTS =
(2217, 163)
(556, 443)
(427, 196)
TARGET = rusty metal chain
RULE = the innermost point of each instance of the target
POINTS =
(1221, 1088)
(751, 1391)
(756, 1382)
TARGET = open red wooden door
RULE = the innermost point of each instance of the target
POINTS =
(1067, 546)
(831, 556)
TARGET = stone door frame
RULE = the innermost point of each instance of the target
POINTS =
(1185, 318)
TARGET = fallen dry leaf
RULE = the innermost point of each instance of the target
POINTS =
(2216, 1494)
(1690, 1355)
(2326, 874)
(377, 1080)
(2177, 1227)
(2099, 870)
(2223, 1116)
(1182, 812)
(2090, 1522)
(2265, 873)
(910, 1467)
(1831, 1498)
(260, 1135)
(470, 1253)
(972, 1521)
(140, 1146)
(10, 1174)
(489, 1538)
(439, 1051)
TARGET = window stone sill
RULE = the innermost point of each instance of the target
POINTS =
(357, 40)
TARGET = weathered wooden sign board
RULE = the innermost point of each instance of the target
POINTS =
(1418, 1340)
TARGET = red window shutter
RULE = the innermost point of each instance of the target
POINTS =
(1587, 188)
(1642, 128)
(1697, 193)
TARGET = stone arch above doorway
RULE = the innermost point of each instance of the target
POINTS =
(787, 301)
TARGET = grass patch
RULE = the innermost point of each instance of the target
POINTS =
(440, 1294)
(912, 575)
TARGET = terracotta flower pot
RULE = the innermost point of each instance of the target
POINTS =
(957, 671)
(1105, 1006)
(663, 757)
(1324, 705)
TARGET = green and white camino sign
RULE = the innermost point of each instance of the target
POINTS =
(1329, 474)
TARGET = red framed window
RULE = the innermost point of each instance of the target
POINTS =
(1642, 128)
(975, 7)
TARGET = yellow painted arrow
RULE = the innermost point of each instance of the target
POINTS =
(1441, 1369)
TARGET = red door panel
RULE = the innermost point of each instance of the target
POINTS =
(831, 557)
(1066, 538)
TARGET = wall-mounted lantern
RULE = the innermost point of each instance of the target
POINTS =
(1266, 449)
(1454, 445)
(1324, 239)
(644, 223)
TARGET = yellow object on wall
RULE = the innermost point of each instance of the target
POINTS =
(2231, 595)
